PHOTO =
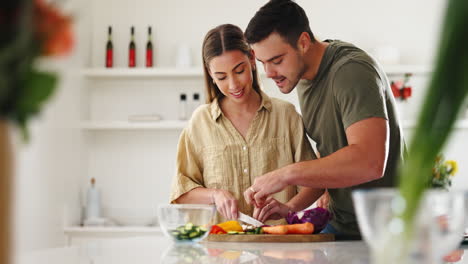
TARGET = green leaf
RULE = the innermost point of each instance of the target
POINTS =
(446, 94)
(39, 86)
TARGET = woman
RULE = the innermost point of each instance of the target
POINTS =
(239, 134)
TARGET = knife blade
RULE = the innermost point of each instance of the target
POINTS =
(249, 220)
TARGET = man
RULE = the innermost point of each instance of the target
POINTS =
(347, 106)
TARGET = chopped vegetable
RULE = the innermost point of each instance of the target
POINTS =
(276, 230)
(317, 216)
(305, 228)
(188, 232)
(231, 226)
(217, 230)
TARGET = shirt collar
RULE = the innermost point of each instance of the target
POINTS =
(216, 109)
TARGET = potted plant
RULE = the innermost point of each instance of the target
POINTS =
(29, 29)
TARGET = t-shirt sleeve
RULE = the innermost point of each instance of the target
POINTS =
(359, 93)
(189, 173)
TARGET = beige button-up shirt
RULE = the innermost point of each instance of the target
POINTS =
(213, 154)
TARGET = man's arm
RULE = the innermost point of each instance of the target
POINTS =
(363, 160)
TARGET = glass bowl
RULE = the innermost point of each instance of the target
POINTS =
(436, 230)
(186, 223)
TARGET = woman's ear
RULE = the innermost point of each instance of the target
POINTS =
(304, 42)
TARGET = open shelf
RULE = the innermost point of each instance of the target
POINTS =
(460, 124)
(406, 68)
(126, 125)
(97, 73)
(168, 72)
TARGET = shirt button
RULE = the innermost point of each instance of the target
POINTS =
(245, 170)
(244, 148)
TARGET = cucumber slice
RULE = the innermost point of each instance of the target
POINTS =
(188, 226)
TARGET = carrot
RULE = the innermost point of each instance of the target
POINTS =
(305, 228)
(275, 230)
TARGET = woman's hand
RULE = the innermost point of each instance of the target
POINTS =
(271, 209)
(226, 204)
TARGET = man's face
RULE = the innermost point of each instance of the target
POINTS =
(281, 61)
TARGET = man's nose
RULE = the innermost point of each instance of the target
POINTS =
(270, 72)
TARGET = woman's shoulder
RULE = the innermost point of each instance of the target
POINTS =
(200, 119)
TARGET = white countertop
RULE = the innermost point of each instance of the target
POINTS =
(158, 249)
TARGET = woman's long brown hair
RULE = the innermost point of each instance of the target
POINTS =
(218, 40)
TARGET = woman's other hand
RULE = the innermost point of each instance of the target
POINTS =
(226, 204)
(271, 209)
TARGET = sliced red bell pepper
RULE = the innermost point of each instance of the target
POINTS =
(217, 230)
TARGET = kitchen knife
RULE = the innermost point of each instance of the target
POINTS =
(249, 220)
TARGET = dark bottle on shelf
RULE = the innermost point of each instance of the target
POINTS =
(132, 50)
(149, 50)
(109, 49)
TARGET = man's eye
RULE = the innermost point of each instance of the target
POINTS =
(221, 79)
(277, 61)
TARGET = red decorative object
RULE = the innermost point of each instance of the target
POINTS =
(401, 89)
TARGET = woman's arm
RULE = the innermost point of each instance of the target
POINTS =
(226, 203)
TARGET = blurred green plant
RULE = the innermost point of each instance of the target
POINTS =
(29, 29)
(443, 172)
(444, 100)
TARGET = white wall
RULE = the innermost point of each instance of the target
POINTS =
(410, 26)
(48, 168)
(54, 169)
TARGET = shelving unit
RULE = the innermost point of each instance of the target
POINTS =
(125, 125)
(170, 72)
(406, 68)
(96, 73)
(460, 124)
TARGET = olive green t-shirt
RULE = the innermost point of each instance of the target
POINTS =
(349, 87)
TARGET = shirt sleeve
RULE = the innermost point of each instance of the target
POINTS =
(359, 93)
(189, 173)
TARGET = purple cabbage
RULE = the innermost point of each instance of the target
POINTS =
(317, 216)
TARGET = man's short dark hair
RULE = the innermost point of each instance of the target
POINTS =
(285, 17)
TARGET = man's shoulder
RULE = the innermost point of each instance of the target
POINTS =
(349, 56)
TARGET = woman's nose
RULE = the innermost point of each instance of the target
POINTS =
(234, 84)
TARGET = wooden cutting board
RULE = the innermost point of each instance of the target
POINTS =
(271, 238)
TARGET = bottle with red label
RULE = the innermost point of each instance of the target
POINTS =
(132, 50)
(149, 50)
(109, 49)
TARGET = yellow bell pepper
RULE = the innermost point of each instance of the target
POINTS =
(232, 225)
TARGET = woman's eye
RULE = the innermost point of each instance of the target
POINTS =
(221, 79)
(241, 71)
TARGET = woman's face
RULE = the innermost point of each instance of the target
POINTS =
(232, 73)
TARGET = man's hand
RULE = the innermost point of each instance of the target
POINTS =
(263, 186)
(226, 204)
(324, 200)
(272, 209)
